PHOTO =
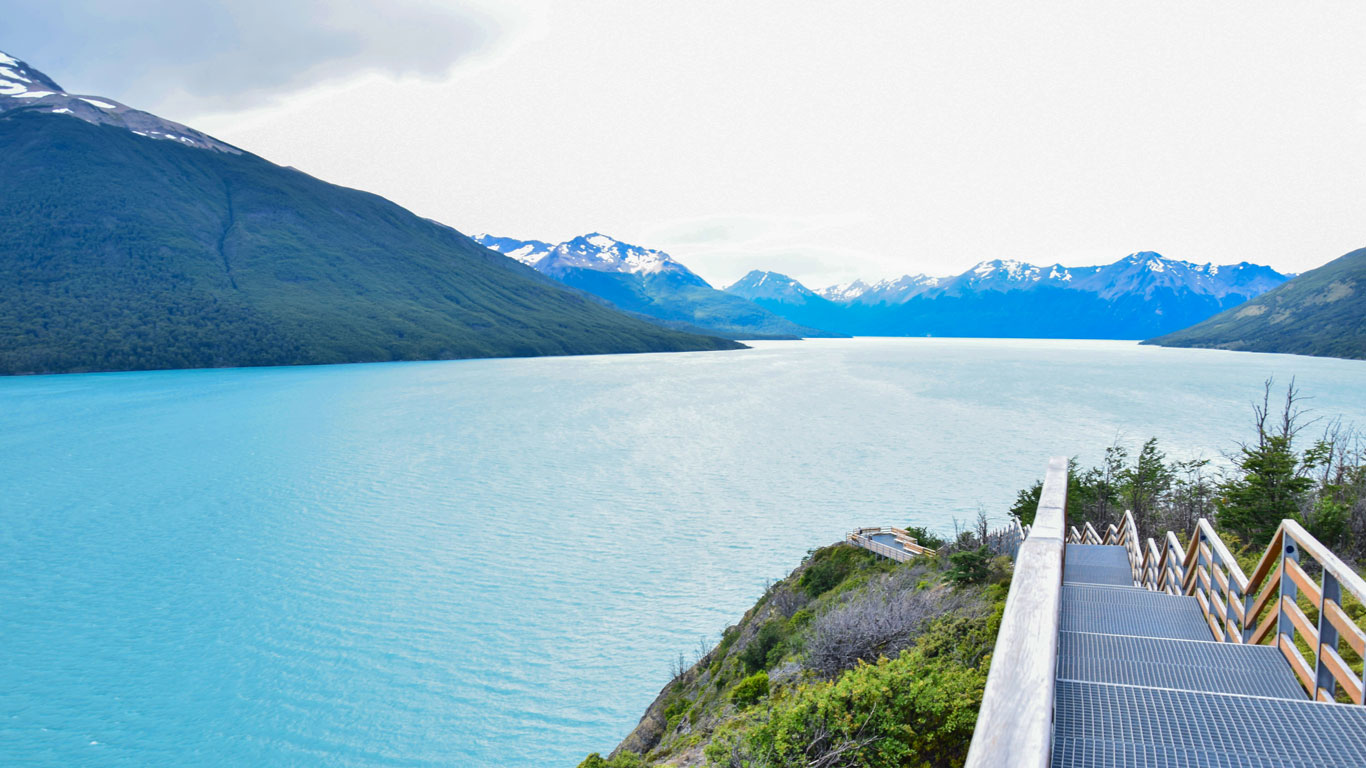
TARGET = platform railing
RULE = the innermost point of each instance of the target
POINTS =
(1234, 604)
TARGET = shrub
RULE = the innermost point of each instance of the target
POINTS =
(881, 621)
(829, 567)
(925, 537)
(759, 653)
(750, 690)
(970, 567)
(674, 712)
(623, 760)
(913, 710)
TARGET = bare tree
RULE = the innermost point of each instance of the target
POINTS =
(678, 668)
(884, 619)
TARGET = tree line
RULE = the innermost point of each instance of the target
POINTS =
(1293, 467)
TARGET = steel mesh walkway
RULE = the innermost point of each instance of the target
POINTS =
(1096, 724)
(1115, 650)
(1191, 665)
(1141, 682)
(1097, 564)
(1131, 611)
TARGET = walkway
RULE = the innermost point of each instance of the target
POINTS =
(1141, 681)
(1119, 652)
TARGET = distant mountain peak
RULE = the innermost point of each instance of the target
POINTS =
(762, 284)
(594, 251)
(23, 88)
(844, 291)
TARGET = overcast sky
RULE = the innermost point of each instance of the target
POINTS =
(825, 140)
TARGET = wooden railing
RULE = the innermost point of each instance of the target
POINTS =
(1015, 724)
(1007, 539)
(1234, 604)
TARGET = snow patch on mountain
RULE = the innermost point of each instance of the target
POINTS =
(25, 88)
(594, 251)
(1142, 272)
(759, 284)
(844, 291)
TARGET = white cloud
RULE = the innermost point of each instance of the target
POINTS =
(185, 58)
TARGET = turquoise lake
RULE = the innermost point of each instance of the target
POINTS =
(493, 562)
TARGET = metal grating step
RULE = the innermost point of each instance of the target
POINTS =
(1111, 611)
(1097, 564)
(1096, 724)
(1254, 670)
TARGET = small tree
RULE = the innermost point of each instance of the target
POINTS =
(1270, 484)
(1026, 504)
(1146, 483)
(925, 536)
(970, 567)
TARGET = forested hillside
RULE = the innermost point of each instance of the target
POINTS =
(119, 252)
(1322, 312)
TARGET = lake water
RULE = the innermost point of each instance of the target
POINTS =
(492, 563)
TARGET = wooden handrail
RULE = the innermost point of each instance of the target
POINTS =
(1330, 562)
(1015, 724)
(1233, 603)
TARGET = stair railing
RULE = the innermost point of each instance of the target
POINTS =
(1015, 724)
(1234, 604)
(1334, 625)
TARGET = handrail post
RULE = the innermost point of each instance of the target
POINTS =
(1284, 628)
(1328, 636)
(1015, 724)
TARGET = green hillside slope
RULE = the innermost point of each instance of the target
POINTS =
(119, 252)
(1322, 312)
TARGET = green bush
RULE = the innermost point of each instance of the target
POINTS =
(829, 567)
(673, 712)
(970, 567)
(765, 648)
(623, 760)
(911, 711)
(750, 690)
(926, 537)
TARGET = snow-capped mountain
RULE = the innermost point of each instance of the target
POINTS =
(648, 282)
(899, 290)
(601, 253)
(1145, 272)
(594, 251)
(773, 286)
(844, 291)
(24, 88)
(1140, 295)
(526, 251)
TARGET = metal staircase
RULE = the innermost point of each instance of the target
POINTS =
(1130, 654)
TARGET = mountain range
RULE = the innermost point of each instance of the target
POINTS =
(1321, 312)
(1139, 296)
(132, 242)
(648, 283)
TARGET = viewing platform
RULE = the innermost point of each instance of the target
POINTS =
(893, 543)
(1118, 652)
